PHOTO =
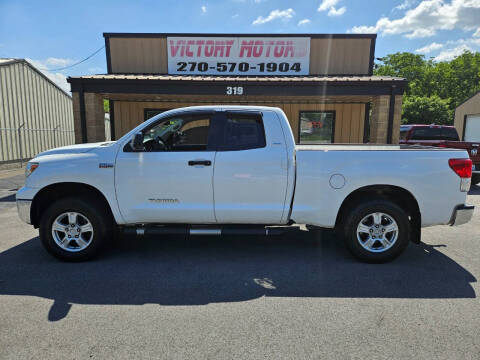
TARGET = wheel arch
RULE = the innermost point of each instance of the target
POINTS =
(57, 191)
(401, 196)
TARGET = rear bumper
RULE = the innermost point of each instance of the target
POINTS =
(23, 209)
(462, 214)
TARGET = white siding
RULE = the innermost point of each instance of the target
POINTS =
(45, 111)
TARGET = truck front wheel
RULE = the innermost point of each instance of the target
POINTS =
(377, 231)
(74, 229)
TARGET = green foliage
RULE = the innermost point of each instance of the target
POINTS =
(452, 82)
(106, 106)
(425, 110)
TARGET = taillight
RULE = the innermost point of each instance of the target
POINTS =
(462, 167)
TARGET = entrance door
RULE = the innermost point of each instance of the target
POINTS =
(472, 128)
(170, 181)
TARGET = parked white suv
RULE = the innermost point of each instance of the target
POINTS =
(235, 169)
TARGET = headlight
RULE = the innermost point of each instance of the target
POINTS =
(30, 168)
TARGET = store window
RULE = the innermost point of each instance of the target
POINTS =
(317, 127)
(149, 113)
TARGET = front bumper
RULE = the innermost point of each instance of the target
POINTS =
(23, 209)
(462, 214)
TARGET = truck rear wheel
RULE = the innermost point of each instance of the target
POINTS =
(377, 231)
(74, 229)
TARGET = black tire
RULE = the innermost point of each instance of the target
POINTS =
(93, 210)
(475, 179)
(362, 210)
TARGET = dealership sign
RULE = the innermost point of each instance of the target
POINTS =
(238, 55)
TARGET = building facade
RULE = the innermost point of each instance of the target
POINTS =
(323, 82)
(467, 119)
(35, 114)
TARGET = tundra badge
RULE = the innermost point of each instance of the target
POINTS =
(105, 165)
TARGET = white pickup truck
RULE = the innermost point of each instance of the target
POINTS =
(213, 170)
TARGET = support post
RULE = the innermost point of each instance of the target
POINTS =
(83, 120)
(112, 119)
(391, 109)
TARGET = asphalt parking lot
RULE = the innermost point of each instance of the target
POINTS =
(294, 297)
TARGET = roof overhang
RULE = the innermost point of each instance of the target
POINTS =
(253, 86)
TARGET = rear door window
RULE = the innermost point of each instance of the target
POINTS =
(242, 131)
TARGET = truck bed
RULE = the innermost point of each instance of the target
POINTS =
(368, 147)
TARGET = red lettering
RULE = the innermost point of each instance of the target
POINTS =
(270, 43)
(279, 49)
(219, 48)
(246, 46)
(258, 48)
(209, 48)
(189, 52)
(173, 48)
(199, 48)
(229, 46)
(182, 47)
(289, 49)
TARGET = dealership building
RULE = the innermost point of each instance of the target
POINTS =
(323, 82)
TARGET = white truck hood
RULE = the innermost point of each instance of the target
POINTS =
(75, 149)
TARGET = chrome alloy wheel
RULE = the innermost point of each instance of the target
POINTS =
(72, 231)
(377, 232)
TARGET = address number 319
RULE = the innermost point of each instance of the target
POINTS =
(234, 90)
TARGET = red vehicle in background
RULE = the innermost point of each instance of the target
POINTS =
(441, 136)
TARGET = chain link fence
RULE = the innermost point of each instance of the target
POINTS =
(18, 145)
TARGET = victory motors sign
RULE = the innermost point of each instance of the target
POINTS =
(238, 55)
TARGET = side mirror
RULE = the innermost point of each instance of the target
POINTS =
(137, 142)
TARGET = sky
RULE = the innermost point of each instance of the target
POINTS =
(56, 34)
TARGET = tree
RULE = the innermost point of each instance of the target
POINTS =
(106, 106)
(425, 110)
(429, 81)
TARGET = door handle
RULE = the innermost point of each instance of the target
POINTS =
(199, 162)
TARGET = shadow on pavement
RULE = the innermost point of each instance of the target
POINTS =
(7, 198)
(474, 190)
(192, 271)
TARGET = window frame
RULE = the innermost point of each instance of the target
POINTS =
(333, 112)
(221, 146)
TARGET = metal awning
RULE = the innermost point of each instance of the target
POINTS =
(253, 85)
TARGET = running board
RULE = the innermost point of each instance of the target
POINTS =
(153, 230)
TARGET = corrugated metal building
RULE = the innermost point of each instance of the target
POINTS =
(35, 114)
(323, 82)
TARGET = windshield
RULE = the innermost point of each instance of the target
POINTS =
(403, 133)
